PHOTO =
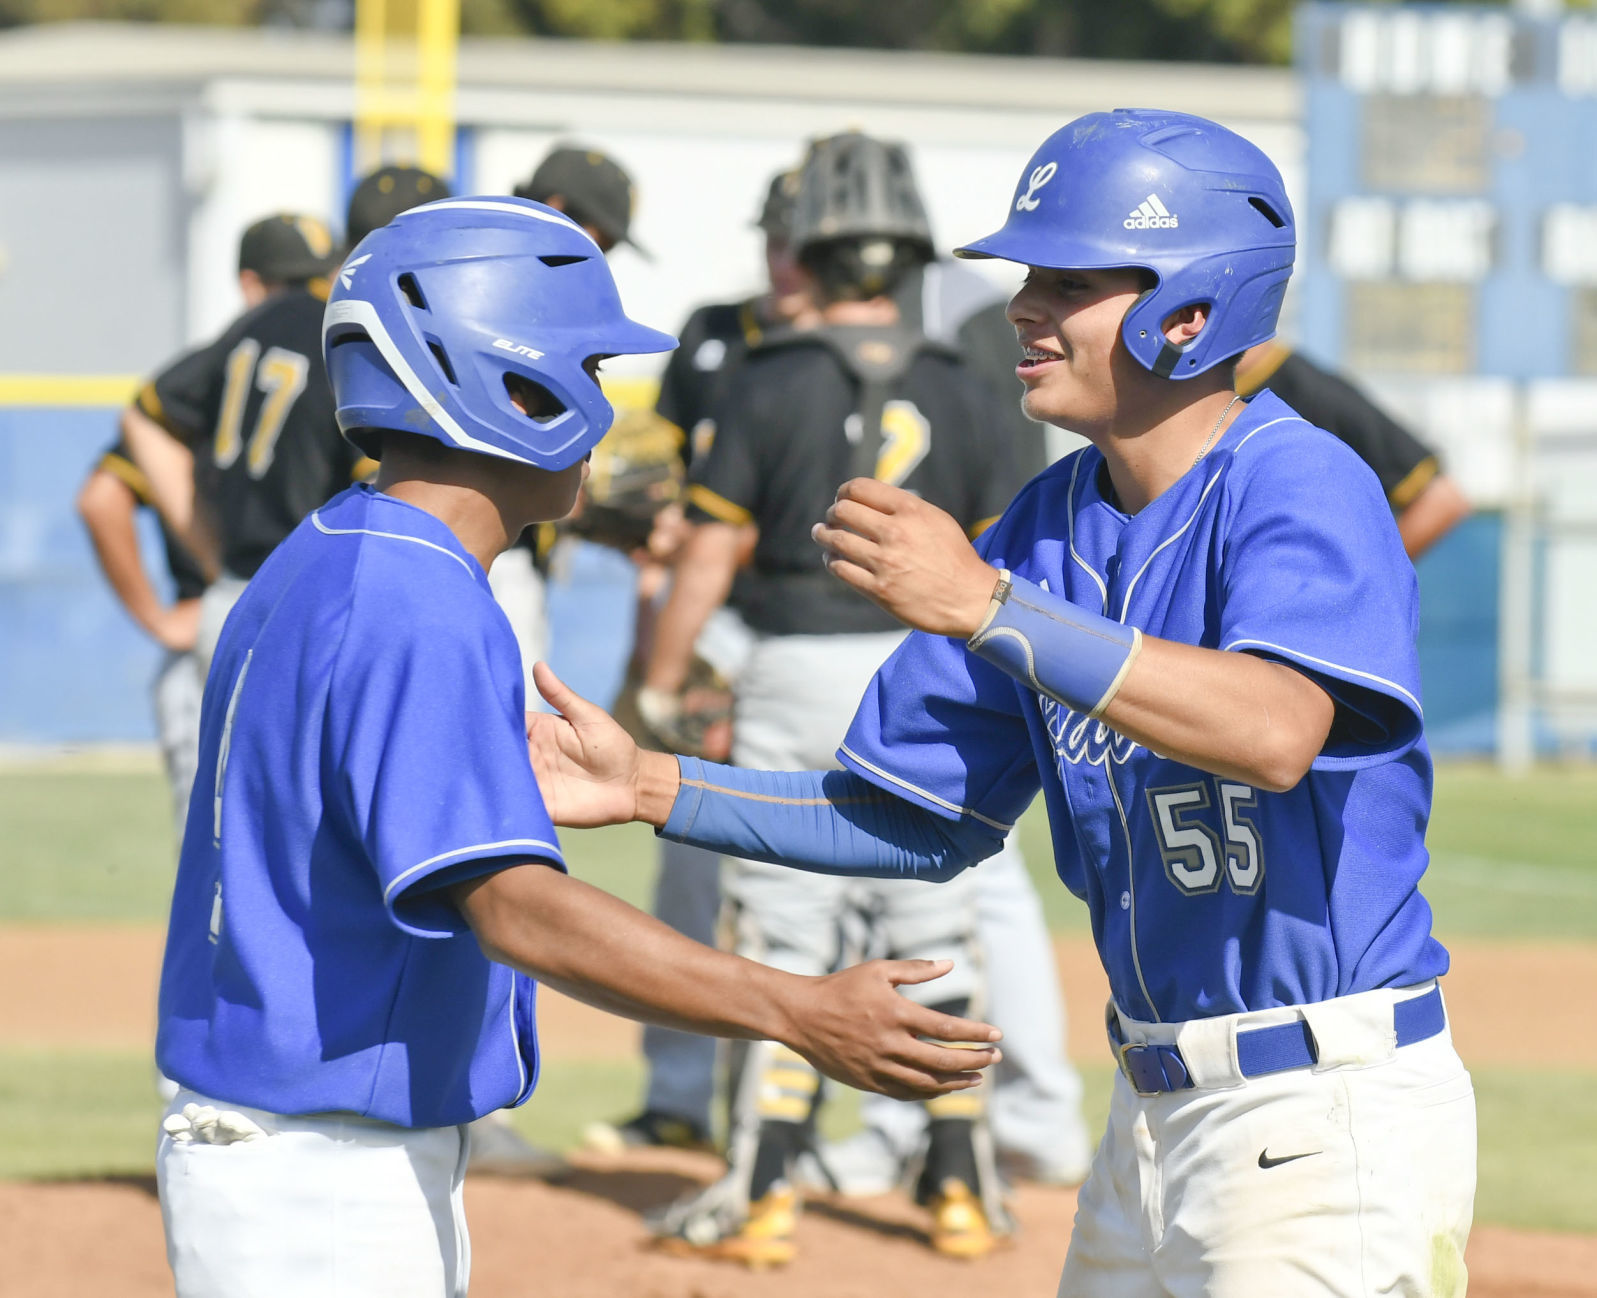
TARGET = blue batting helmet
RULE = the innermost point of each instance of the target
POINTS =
(1177, 195)
(436, 315)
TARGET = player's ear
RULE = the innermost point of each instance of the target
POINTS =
(1181, 327)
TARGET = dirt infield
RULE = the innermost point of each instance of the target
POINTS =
(583, 1237)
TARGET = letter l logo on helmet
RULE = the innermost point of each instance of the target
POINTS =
(1040, 176)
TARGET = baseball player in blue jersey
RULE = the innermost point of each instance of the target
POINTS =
(369, 876)
(1196, 637)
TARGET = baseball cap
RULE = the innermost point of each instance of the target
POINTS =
(776, 216)
(286, 248)
(384, 194)
(592, 188)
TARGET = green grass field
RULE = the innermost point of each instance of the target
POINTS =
(1513, 859)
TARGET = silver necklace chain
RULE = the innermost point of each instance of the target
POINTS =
(1214, 432)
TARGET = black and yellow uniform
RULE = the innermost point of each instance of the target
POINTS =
(188, 581)
(256, 409)
(956, 306)
(1403, 463)
(786, 433)
(710, 345)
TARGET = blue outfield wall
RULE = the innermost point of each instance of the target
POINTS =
(1458, 636)
(74, 669)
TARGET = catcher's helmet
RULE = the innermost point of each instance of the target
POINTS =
(435, 314)
(854, 186)
(1177, 195)
(858, 221)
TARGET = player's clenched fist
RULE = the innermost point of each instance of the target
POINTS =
(909, 556)
(858, 1028)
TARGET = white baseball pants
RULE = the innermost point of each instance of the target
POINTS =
(796, 696)
(518, 589)
(175, 694)
(315, 1207)
(215, 604)
(1353, 1177)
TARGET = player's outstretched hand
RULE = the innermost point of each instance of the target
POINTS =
(589, 770)
(909, 556)
(857, 1027)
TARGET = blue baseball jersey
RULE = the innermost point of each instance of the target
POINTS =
(362, 748)
(1207, 896)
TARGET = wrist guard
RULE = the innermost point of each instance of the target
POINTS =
(1073, 656)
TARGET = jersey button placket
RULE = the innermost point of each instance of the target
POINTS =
(1113, 607)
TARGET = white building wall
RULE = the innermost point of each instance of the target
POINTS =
(241, 168)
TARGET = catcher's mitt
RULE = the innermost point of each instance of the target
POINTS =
(635, 472)
(697, 721)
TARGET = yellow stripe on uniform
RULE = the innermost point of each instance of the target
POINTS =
(1419, 477)
(718, 507)
(66, 389)
(1250, 378)
(957, 1104)
(980, 526)
(128, 473)
(149, 401)
(785, 1108)
(632, 392)
(794, 1078)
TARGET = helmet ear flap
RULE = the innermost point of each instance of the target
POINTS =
(1143, 331)
(1192, 357)
(371, 398)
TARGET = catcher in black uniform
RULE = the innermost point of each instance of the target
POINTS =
(861, 392)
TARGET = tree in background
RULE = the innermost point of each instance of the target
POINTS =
(1241, 31)
(227, 13)
(1131, 29)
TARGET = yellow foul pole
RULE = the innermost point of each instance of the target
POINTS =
(405, 55)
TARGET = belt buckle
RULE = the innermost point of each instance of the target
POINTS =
(1164, 1063)
(1122, 1059)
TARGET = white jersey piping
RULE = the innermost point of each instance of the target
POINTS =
(510, 209)
(1070, 537)
(316, 518)
(922, 793)
(1321, 662)
(515, 1042)
(1125, 604)
(353, 310)
(479, 849)
(1131, 890)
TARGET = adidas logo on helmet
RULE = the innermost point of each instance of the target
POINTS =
(1151, 214)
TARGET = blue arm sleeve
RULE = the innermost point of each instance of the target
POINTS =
(831, 822)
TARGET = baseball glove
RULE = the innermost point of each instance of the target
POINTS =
(635, 472)
(697, 721)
